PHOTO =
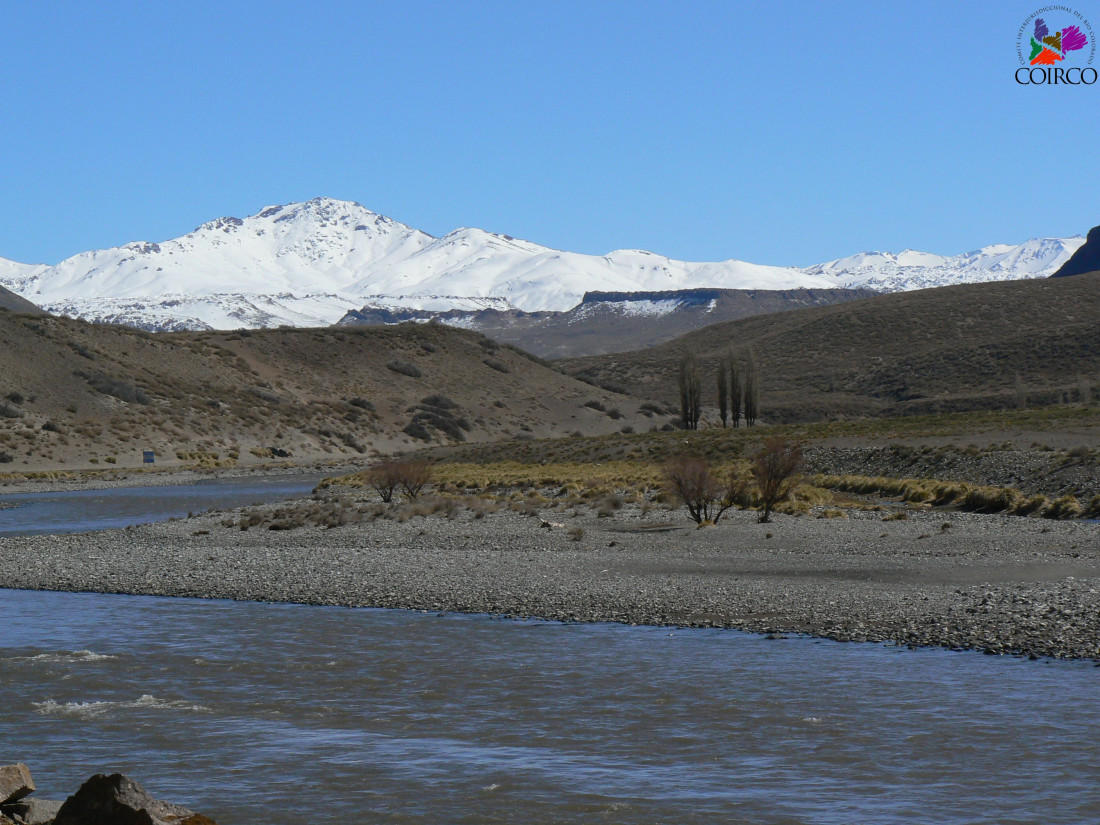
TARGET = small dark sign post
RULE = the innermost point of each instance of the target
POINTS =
(148, 457)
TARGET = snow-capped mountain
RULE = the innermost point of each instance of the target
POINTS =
(307, 264)
(886, 272)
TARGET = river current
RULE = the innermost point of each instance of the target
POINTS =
(264, 713)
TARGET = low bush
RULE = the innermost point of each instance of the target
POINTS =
(114, 387)
(496, 364)
(9, 410)
(403, 368)
(438, 401)
(264, 395)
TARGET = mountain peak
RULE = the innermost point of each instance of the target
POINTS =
(308, 262)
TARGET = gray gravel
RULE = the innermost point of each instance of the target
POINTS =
(994, 583)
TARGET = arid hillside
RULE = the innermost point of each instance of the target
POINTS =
(969, 347)
(74, 394)
(10, 301)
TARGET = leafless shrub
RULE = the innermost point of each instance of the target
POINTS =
(775, 468)
(385, 479)
(413, 476)
(497, 364)
(704, 495)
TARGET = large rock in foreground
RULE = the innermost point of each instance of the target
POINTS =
(15, 782)
(31, 811)
(119, 800)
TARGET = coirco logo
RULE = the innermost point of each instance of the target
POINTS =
(1048, 42)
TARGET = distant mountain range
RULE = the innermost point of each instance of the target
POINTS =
(309, 264)
(606, 322)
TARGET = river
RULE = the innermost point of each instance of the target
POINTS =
(273, 714)
(263, 713)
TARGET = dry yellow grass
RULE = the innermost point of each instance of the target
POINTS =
(970, 497)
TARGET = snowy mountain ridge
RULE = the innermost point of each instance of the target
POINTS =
(307, 264)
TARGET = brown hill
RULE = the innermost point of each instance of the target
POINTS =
(616, 321)
(1085, 259)
(74, 394)
(952, 348)
(14, 303)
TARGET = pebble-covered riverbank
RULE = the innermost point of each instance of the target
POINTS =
(995, 583)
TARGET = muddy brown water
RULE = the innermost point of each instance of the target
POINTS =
(265, 713)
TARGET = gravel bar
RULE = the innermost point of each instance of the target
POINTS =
(999, 584)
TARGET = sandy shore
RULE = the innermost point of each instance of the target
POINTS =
(993, 583)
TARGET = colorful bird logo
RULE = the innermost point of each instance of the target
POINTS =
(1047, 49)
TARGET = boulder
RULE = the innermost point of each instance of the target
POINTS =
(31, 811)
(15, 782)
(119, 800)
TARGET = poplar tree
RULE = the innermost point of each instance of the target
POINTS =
(752, 391)
(690, 392)
(723, 391)
(735, 390)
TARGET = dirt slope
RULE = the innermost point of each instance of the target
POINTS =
(952, 348)
(78, 394)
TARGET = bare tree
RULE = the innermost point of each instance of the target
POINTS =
(752, 390)
(775, 468)
(384, 477)
(724, 392)
(705, 496)
(414, 476)
(735, 390)
(690, 392)
(387, 477)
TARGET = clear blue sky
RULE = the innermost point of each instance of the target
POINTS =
(778, 134)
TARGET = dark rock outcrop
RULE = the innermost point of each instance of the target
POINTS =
(119, 800)
(1085, 259)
